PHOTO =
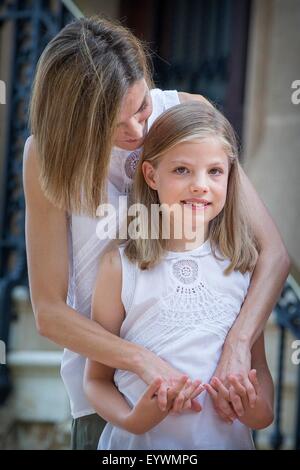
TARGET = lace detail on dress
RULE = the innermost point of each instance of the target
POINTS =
(195, 306)
(131, 163)
(128, 169)
(190, 301)
(186, 271)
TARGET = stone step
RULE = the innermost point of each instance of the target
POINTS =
(38, 394)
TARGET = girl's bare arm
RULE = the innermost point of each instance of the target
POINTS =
(108, 402)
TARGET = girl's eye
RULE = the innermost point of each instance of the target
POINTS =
(216, 171)
(181, 170)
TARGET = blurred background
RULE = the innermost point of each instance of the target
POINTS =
(242, 54)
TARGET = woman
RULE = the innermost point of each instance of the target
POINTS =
(91, 107)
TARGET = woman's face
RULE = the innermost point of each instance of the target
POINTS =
(136, 108)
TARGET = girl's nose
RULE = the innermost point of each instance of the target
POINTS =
(199, 185)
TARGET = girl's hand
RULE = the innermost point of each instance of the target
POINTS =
(146, 413)
(186, 397)
(149, 367)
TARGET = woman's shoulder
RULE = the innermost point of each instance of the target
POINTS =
(31, 168)
(187, 97)
(162, 100)
(30, 153)
(165, 99)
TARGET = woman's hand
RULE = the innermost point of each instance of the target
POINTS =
(238, 393)
(221, 400)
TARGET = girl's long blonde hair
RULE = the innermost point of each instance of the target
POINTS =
(230, 231)
(80, 81)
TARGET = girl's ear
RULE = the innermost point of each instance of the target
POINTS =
(149, 174)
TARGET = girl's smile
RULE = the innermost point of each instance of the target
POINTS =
(196, 204)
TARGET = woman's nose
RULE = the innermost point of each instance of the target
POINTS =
(136, 129)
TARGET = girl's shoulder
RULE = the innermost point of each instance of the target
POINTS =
(114, 257)
(110, 259)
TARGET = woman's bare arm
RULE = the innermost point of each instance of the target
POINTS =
(267, 281)
(261, 414)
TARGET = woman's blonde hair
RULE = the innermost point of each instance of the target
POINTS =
(81, 78)
(230, 231)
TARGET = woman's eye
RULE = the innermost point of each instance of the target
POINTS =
(216, 171)
(181, 170)
(145, 105)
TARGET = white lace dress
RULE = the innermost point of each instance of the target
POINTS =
(181, 310)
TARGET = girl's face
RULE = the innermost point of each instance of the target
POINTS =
(193, 175)
(136, 108)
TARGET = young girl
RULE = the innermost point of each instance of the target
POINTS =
(92, 104)
(181, 303)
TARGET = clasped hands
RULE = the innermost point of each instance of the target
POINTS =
(230, 398)
(179, 394)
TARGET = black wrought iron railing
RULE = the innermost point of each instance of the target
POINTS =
(286, 317)
(287, 314)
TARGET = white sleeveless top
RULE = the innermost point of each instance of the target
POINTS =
(85, 249)
(183, 318)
